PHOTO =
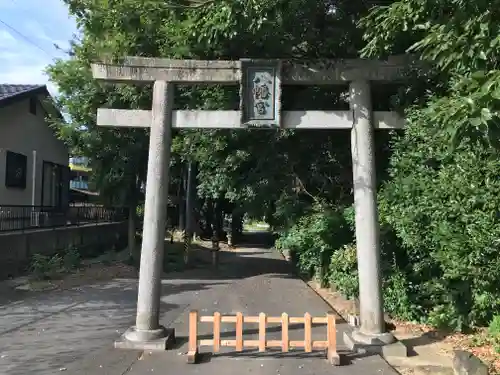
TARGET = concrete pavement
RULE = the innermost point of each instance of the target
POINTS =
(73, 331)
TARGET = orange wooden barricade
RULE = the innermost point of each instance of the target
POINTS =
(330, 344)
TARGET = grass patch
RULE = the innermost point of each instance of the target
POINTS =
(255, 226)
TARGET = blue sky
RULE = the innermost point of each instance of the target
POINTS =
(41, 23)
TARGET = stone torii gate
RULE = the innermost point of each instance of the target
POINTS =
(260, 82)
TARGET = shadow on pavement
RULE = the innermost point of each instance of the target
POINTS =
(47, 331)
(50, 331)
(237, 264)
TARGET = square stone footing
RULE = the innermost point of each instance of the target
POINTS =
(395, 349)
(162, 343)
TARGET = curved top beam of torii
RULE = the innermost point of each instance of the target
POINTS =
(322, 72)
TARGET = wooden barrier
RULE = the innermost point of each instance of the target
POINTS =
(330, 344)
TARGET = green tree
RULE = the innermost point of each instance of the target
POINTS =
(441, 198)
(219, 29)
(118, 158)
(460, 41)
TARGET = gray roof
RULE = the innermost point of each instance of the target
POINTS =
(9, 91)
(10, 94)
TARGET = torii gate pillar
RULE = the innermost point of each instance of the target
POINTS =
(372, 329)
(147, 332)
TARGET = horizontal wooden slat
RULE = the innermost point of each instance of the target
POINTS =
(320, 344)
(231, 119)
(269, 343)
(270, 319)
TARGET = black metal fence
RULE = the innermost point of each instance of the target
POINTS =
(19, 218)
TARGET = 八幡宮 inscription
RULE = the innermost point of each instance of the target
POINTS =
(260, 93)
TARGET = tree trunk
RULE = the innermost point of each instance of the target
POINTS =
(190, 197)
(133, 201)
(234, 227)
(219, 219)
(181, 202)
(132, 219)
(237, 225)
(209, 212)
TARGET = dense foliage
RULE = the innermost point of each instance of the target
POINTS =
(439, 184)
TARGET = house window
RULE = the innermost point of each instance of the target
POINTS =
(15, 170)
(33, 106)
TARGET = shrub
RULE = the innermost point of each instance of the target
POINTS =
(399, 296)
(494, 327)
(442, 205)
(440, 232)
(343, 271)
(314, 238)
(44, 267)
(494, 331)
(398, 293)
(71, 258)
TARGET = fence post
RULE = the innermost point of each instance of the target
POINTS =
(262, 332)
(331, 334)
(193, 337)
(307, 333)
(217, 322)
(239, 332)
(285, 341)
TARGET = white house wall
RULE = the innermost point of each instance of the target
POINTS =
(22, 132)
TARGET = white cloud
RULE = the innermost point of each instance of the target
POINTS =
(28, 74)
(21, 63)
(6, 39)
(28, 44)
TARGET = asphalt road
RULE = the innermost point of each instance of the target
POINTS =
(73, 331)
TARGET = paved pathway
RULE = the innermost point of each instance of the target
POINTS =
(73, 331)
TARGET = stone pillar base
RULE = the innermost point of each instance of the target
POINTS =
(158, 339)
(384, 344)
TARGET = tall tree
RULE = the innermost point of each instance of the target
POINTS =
(460, 41)
(441, 200)
(239, 165)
